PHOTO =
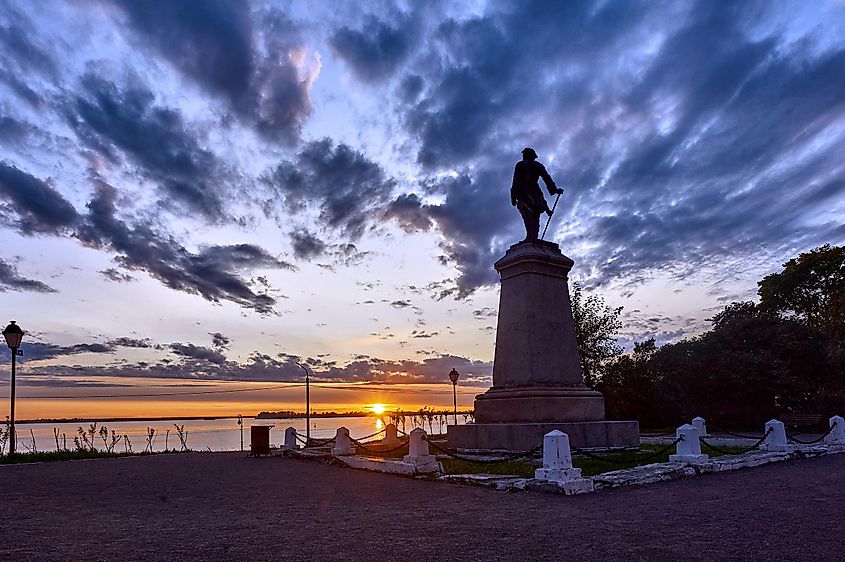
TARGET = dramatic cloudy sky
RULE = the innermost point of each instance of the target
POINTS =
(218, 190)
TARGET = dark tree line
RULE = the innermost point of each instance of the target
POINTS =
(783, 355)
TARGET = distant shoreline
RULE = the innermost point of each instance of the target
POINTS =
(191, 418)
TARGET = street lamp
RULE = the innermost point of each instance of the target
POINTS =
(13, 335)
(453, 376)
(307, 404)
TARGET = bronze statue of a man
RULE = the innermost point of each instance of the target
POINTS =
(526, 194)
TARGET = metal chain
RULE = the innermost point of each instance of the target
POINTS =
(378, 451)
(382, 430)
(814, 440)
(636, 460)
(319, 442)
(731, 433)
(747, 449)
(668, 433)
(509, 456)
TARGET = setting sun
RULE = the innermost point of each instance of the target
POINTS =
(377, 409)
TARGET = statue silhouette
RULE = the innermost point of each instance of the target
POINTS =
(526, 194)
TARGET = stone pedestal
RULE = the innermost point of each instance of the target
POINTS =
(538, 385)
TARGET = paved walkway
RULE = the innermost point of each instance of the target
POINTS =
(219, 506)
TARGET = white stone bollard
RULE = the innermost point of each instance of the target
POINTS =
(688, 449)
(342, 443)
(700, 425)
(418, 454)
(837, 434)
(290, 440)
(557, 458)
(775, 437)
(557, 465)
(391, 436)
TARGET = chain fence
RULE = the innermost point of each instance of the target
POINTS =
(741, 451)
(378, 452)
(634, 460)
(731, 433)
(816, 440)
(506, 457)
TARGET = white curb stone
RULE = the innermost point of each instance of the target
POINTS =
(557, 465)
(836, 437)
(391, 436)
(701, 426)
(290, 440)
(342, 443)
(776, 437)
(688, 449)
(418, 454)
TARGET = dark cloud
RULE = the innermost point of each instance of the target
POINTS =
(203, 363)
(474, 219)
(11, 280)
(377, 49)
(130, 342)
(19, 49)
(714, 141)
(212, 272)
(219, 341)
(409, 212)
(198, 352)
(13, 131)
(37, 207)
(115, 275)
(305, 245)
(114, 121)
(35, 350)
(432, 369)
(246, 62)
(347, 187)
(484, 70)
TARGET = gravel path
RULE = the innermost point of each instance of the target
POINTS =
(223, 506)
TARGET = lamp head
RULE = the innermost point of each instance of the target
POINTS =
(453, 376)
(13, 335)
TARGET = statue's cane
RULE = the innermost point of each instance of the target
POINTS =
(550, 216)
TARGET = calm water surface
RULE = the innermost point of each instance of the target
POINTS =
(217, 435)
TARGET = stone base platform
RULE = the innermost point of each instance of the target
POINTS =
(539, 404)
(526, 436)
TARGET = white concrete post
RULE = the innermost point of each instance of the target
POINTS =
(557, 458)
(557, 465)
(342, 443)
(837, 434)
(391, 436)
(418, 446)
(688, 449)
(290, 440)
(700, 425)
(776, 438)
(418, 454)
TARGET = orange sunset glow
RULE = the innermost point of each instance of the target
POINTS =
(140, 398)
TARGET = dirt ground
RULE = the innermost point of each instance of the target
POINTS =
(224, 506)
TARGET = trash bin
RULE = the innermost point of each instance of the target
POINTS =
(259, 440)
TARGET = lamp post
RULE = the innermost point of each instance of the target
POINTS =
(307, 404)
(453, 376)
(13, 335)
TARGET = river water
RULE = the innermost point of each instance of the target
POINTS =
(217, 435)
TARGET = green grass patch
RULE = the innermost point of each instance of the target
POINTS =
(589, 466)
(517, 468)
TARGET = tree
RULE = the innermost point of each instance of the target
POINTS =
(811, 288)
(596, 328)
